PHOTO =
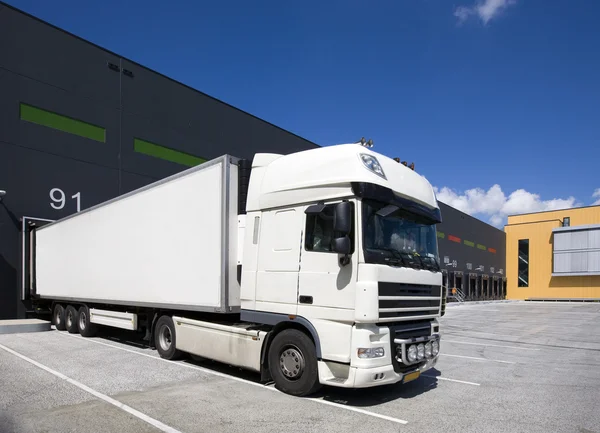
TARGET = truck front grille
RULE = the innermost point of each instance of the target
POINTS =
(401, 301)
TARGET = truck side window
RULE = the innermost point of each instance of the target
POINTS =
(319, 231)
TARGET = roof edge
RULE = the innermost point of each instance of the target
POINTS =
(554, 210)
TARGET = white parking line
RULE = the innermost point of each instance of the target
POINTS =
(477, 359)
(451, 380)
(492, 345)
(226, 376)
(153, 422)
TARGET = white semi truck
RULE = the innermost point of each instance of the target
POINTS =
(315, 268)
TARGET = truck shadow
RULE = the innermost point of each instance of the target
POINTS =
(375, 396)
(365, 397)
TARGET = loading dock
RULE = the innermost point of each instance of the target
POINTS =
(485, 284)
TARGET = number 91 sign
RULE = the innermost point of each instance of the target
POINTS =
(59, 199)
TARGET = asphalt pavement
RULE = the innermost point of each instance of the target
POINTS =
(505, 367)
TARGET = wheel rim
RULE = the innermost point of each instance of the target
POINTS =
(82, 320)
(165, 338)
(291, 362)
(57, 317)
(69, 320)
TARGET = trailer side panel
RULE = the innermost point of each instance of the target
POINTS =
(165, 245)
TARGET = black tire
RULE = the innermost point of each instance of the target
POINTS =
(71, 318)
(84, 326)
(293, 363)
(58, 317)
(164, 339)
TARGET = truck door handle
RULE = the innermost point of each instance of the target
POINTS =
(306, 299)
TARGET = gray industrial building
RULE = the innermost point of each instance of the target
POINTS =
(81, 125)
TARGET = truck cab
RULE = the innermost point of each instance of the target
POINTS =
(340, 243)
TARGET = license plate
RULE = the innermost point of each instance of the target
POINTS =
(411, 376)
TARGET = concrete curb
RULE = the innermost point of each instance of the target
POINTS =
(23, 325)
(499, 301)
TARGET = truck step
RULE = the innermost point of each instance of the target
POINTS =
(337, 380)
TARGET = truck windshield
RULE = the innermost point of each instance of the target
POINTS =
(399, 238)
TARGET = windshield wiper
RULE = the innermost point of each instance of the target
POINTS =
(401, 254)
(412, 258)
(435, 266)
(399, 260)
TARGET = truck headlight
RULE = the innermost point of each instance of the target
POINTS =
(372, 164)
(428, 349)
(421, 351)
(411, 354)
(375, 352)
(435, 347)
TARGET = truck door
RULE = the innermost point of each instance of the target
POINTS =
(326, 288)
(279, 261)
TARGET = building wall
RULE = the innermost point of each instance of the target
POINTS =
(537, 228)
(80, 125)
(471, 247)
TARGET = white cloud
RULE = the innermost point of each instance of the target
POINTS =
(485, 10)
(596, 194)
(494, 205)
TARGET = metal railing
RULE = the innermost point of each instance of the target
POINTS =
(457, 294)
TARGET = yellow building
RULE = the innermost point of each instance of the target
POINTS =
(554, 254)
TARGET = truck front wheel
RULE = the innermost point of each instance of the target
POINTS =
(293, 363)
(164, 338)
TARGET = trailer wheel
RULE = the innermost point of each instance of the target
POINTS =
(85, 327)
(164, 339)
(293, 363)
(58, 317)
(71, 318)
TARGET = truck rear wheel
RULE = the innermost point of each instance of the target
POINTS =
(58, 317)
(85, 327)
(293, 363)
(164, 338)
(71, 318)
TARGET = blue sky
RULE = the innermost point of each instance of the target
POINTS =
(496, 101)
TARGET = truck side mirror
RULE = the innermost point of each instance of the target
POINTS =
(342, 245)
(342, 217)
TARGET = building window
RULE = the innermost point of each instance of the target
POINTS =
(566, 222)
(319, 231)
(523, 263)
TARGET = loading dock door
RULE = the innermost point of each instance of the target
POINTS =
(485, 286)
(472, 286)
(27, 254)
(458, 281)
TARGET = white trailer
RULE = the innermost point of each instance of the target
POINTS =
(319, 267)
(172, 244)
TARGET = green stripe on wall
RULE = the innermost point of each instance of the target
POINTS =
(469, 243)
(481, 247)
(165, 153)
(36, 115)
(441, 235)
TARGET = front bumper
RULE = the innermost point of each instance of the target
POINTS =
(369, 377)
